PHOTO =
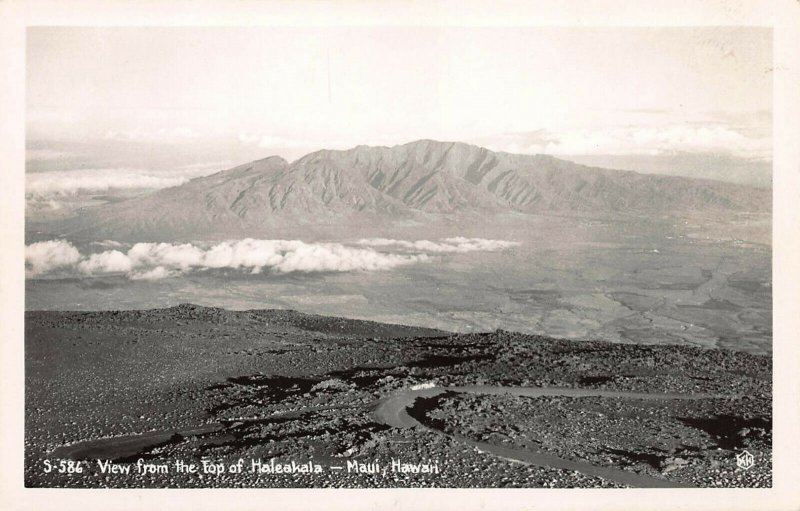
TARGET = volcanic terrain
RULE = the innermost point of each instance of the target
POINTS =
(367, 402)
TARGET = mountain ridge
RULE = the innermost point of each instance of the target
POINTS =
(402, 182)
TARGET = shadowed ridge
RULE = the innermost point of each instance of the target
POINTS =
(408, 181)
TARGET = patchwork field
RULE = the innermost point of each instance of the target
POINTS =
(626, 280)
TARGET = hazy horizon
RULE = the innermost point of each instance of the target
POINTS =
(147, 107)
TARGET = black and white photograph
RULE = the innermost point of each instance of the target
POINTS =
(428, 256)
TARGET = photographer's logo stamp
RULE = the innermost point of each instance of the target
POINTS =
(745, 460)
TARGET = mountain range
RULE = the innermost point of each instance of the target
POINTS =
(404, 181)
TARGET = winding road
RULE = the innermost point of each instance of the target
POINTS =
(393, 411)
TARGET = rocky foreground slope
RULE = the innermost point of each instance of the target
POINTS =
(210, 387)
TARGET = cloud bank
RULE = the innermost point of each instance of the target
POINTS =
(153, 261)
(46, 256)
(722, 139)
(447, 245)
(70, 182)
(64, 190)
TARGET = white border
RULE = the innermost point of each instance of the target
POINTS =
(782, 15)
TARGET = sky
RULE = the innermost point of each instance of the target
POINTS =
(200, 98)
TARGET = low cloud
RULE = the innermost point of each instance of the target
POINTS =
(272, 141)
(64, 190)
(724, 139)
(108, 244)
(174, 134)
(153, 261)
(157, 273)
(177, 257)
(46, 256)
(70, 182)
(106, 262)
(447, 245)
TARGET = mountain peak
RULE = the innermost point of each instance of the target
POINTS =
(420, 177)
(262, 166)
(430, 143)
(273, 160)
(270, 162)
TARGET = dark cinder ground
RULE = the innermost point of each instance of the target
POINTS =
(192, 383)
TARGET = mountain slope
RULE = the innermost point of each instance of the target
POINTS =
(404, 181)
